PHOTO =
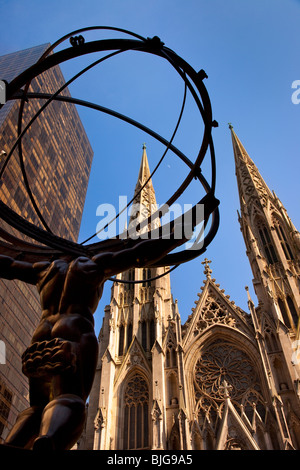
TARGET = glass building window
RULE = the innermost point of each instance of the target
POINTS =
(5, 405)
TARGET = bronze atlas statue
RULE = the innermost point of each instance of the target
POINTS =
(60, 362)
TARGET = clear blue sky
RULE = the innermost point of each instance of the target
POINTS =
(250, 52)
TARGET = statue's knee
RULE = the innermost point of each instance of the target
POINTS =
(63, 412)
(62, 423)
(70, 401)
(26, 427)
(31, 415)
(43, 443)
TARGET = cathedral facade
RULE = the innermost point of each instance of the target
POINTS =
(226, 379)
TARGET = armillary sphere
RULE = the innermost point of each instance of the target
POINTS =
(52, 246)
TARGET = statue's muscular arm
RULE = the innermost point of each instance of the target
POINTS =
(21, 270)
(148, 252)
(143, 254)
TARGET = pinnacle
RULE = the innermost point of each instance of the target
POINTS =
(144, 195)
(250, 180)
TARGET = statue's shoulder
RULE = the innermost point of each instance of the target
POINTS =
(42, 267)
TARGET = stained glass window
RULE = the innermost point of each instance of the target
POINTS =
(136, 421)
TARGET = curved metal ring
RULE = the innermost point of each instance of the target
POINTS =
(153, 46)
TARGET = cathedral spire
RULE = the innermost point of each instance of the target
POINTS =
(144, 203)
(147, 194)
(144, 172)
(252, 187)
(224, 380)
(273, 252)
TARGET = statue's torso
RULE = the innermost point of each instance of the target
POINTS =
(69, 294)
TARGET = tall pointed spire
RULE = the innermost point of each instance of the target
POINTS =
(250, 182)
(273, 252)
(144, 171)
(144, 203)
(145, 196)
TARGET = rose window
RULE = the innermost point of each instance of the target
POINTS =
(221, 363)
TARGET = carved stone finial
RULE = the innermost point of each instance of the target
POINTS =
(248, 294)
(225, 388)
(207, 271)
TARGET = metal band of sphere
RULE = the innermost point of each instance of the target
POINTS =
(193, 81)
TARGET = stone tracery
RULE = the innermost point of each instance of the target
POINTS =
(136, 402)
(214, 312)
(223, 362)
(222, 371)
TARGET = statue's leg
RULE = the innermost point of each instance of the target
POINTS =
(62, 423)
(27, 425)
(64, 417)
(26, 428)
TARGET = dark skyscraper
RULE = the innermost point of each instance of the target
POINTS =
(57, 157)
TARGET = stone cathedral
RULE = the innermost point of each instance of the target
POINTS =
(226, 379)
